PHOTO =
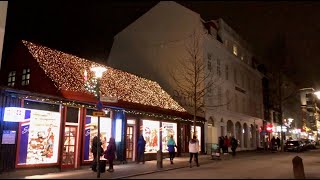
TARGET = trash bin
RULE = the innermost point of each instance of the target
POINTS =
(103, 164)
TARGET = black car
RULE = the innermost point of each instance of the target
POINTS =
(294, 145)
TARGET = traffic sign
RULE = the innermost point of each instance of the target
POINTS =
(98, 113)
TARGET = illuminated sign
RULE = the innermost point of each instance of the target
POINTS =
(269, 128)
(16, 114)
(118, 130)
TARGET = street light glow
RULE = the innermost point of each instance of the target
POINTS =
(317, 94)
(98, 71)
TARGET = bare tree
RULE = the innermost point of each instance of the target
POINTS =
(192, 78)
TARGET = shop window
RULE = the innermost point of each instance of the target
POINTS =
(198, 134)
(151, 135)
(39, 138)
(72, 114)
(168, 129)
(12, 78)
(25, 77)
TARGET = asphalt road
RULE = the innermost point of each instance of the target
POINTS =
(258, 166)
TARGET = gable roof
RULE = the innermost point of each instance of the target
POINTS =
(67, 73)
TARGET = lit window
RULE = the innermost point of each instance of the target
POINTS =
(235, 50)
(25, 77)
(12, 78)
(228, 99)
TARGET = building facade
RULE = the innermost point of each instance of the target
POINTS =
(47, 115)
(234, 105)
(3, 17)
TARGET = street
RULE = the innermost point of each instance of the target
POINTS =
(263, 166)
(246, 165)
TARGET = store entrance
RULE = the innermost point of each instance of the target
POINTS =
(129, 145)
(184, 138)
(69, 147)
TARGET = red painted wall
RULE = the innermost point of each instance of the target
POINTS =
(19, 59)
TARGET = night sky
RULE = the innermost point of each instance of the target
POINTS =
(275, 30)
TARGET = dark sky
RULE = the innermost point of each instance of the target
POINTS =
(275, 30)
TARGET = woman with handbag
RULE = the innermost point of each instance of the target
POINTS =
(110, 153)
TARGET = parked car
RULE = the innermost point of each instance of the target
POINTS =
(310, 144)
(295, 145)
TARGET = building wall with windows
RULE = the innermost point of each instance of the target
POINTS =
(158, 40)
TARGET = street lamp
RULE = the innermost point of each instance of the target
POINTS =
(98, 72)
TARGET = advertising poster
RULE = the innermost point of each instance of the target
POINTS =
(151, 135)
(8, 137)
(39, 138)
(168, 130)
(198, 134)
(91, 130)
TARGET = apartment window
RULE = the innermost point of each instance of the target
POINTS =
(236, 103)
(12, 78)
(242, 80)
(218, 68)
(209, 91)
(243, 105)
(235, 76)
(209, 62)
(235, 50)
(227, 72)
(228, 100)
(25, 77)
(219, 96)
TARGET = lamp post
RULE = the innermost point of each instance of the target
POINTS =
(98, 72)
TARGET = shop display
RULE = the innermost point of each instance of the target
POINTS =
(91, 130)
(198, 133)
(39, 138)
(151, 135)
(168, 129)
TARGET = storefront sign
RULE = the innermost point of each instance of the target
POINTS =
(109, 99)
(98, 113)
(8, 137)
(16, 114)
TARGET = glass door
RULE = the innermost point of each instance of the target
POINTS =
(68, 156)
(129, 145)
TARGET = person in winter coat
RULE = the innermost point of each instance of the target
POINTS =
(221, 142)
(234, 145)
(141, 149)
(110, 153)
(171, 144)
(226, 144)
(273, 143)
(278, 143)
(194, 150)
(94, 147)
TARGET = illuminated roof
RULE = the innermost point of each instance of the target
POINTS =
(67, 73)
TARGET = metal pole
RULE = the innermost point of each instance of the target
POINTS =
(98, 141)
(159, 158)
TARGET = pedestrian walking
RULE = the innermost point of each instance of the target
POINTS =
(226, 144)
(278, 143)
(221, 144)
(171, 145)
(234, 145)
(194, 150)
(141, 149)
(94, 147)
(273, 143)
(110, 153)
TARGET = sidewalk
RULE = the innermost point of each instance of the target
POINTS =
(121, 170)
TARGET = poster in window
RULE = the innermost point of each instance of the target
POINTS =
(151, 135)
(198, 133)
(39, 138)
(91, 130)
(168, 130)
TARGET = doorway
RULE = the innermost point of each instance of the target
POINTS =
(69, 147)
(129, 140)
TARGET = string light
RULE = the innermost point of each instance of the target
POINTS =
(67, 73)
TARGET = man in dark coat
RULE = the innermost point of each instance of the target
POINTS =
(278, 143)
(141, 149)
(94, 151)
(234, 145)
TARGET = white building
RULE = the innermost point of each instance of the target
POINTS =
(153, 44)
(3, 17)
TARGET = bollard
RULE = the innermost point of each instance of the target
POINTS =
(298, 170)
(159, 159)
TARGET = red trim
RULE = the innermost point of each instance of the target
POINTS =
(75, 146)
(83, 136)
